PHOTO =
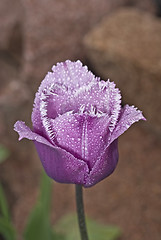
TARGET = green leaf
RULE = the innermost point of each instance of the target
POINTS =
(3, 204)
(38, 226)
(68, 227)
(45, 193)
(4, 153)
(6, 229)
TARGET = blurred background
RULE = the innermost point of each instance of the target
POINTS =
(117, 39)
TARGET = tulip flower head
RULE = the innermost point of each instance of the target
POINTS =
(77, 119)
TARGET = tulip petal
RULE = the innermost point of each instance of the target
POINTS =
(104, 166)
(68, 131)
(128, 116)
(69, 75)
(61, 165)
(100, 97)
(73, 74)
(95, 99)
(82, 135)
(25, 132)
(58, 163)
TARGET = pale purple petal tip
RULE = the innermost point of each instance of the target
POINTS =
(128, 116)
(25, 132)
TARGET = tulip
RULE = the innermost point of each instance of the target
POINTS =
(77, 119)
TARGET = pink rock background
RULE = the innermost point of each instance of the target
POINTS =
(34, 36)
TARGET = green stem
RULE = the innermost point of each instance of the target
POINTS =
(80, 212)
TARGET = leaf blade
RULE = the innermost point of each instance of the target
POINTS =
(38, 226)
(4, 153)
(3, 204)
(69, 228)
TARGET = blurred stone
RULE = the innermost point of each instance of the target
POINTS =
(158, 4)
(49, 26)
(126, 47)
(54, 30)
(11, 19)
(148, 5)
(15, 98)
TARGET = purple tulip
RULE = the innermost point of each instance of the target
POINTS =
(77, 120)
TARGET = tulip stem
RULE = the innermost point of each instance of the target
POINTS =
(80, 212)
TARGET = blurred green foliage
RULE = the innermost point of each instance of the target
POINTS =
(68, 226)
(4, 153)
(39, 225)
(6, 228)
